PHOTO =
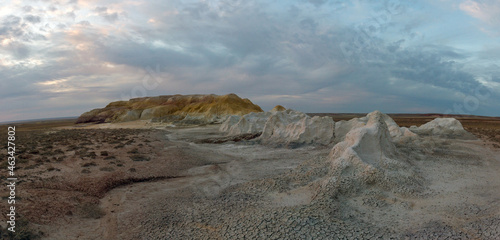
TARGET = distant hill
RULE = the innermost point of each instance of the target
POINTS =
(172, 108)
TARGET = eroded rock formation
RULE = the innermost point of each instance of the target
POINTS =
(169, 108)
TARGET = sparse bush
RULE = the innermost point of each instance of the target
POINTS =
(89, 164)
(58, 151)
(119, 146)
(107, 169)
(139, 158)
(91, 155)
(134, 151)
(34, 151)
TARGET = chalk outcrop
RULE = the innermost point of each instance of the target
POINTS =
(229, 122)
(170, 108)
(443, 127)
(292, 128)
(249, 123)
(283, 127)
(397, 133)
(367, 155)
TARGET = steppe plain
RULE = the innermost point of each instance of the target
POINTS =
(143, 180)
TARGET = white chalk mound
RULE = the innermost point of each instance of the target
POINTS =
(250, 123)
(283, 127)
(443, 127)
(397, 133)
(367, 155)
(293, 128)
(229, 122)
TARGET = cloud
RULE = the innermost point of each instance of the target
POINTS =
(12, 26)
(488, 11)
(314, 56)
(32, 19)
(27, 8)
(109, 16)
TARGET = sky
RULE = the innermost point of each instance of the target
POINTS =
(63, 58)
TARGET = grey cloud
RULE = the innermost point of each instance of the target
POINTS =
(27, 8)
(18, 50)
(12, 26)
(84, 23)
(309, 24)
(71, 15)
(109, 16)
(32, 18)
(101, 9)
(430, 68)
(495, 79)
(261, 47)
(317, 3)
(144, 55)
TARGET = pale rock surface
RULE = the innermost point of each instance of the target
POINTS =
(443, 127)
(229, 122)
(367, 155)
(249, 123)
(397, 133)
(293, 128)
(287, 127)
(131, 115)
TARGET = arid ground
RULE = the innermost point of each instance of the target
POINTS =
(139, 180)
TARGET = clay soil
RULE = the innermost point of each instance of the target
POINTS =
(142, 181)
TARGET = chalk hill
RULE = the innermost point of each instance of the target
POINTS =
(173, 108)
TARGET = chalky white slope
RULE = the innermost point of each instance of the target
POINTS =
(296, 128)
(367, 155)
(288, 127)
(249, 123)
(396, 132)
(443, 127)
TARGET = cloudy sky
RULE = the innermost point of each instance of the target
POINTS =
(62, 58)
